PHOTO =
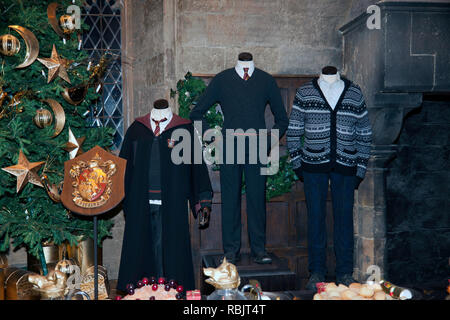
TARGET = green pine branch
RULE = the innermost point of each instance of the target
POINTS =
(30, 218)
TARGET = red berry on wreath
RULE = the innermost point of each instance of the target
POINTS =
(140, 284)
(161, 280)
(180, 289)
(152, 280)
(155, 287)
(152, 298)
(130, 292)
(179, 296)
(118, 298)
(145, 281)
(173, 284)
(167, 287)
(130, 286)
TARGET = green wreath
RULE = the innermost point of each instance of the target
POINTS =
(189, 91)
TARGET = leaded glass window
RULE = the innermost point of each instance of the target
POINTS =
(103, 17)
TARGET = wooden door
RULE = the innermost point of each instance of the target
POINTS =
(286, 233)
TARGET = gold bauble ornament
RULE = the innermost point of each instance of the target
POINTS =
(31, 43)
(43, 118)
(9, 45)
(67, 23)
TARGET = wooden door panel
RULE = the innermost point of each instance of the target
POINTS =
(277, 222)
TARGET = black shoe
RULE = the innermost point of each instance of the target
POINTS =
(262, 258)
(346, 280)
(231, 258)
(313, 280)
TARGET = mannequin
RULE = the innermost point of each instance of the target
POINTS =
(330, 74)
(157, 194)
(243, 92)
(333, 154)
(331, 84)
(245, 60)
(161, 111)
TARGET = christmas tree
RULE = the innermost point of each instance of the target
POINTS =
(35, 141)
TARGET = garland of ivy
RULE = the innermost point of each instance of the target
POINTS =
(189, 91)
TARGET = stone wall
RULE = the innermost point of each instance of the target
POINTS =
(285, 37)
(418, 206)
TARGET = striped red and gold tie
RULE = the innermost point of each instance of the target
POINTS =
(246, 76)
(157, 129)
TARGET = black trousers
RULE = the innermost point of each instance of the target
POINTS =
(231, 187)
(156, 223)
(342, 193)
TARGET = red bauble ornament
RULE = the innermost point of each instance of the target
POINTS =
(161, 280)
(145, 281)
(155, 287)
(180, 289)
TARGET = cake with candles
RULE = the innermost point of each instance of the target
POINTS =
(154, 289)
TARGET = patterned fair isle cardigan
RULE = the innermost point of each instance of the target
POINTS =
(338, 139)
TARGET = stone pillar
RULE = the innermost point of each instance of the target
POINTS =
(393, 65)
(370, 214)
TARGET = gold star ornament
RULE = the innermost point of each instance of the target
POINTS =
(73, 146)
(25, 172)
(56, 65)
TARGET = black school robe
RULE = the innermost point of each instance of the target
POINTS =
(179, 184)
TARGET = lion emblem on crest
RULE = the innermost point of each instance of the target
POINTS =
(92, 182)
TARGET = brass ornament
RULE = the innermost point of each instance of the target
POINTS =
(87, 282)
(25, 172)
(75, 95)
(9, 45)
(3, 96)
(14, 105)
(16, 285)
(224, 276)
(53, 20)
(92, 182)
(31, 43)
(57, 66)
(73, 146)
(53, 191)
(67, 23)
(43, 118)
(60, 116)
(51, 286)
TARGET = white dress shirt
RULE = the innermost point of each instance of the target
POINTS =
(158, 114)
(331, 90)
(244, 64)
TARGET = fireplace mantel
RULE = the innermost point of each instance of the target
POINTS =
(394, 65)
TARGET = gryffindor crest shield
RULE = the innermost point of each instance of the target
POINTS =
(93, 182)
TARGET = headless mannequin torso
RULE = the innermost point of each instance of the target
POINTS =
(161, 110)
(245, 60)
(331, 84)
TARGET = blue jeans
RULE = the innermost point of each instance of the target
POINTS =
(342, 193)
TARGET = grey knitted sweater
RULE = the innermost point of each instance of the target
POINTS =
(338, 139)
